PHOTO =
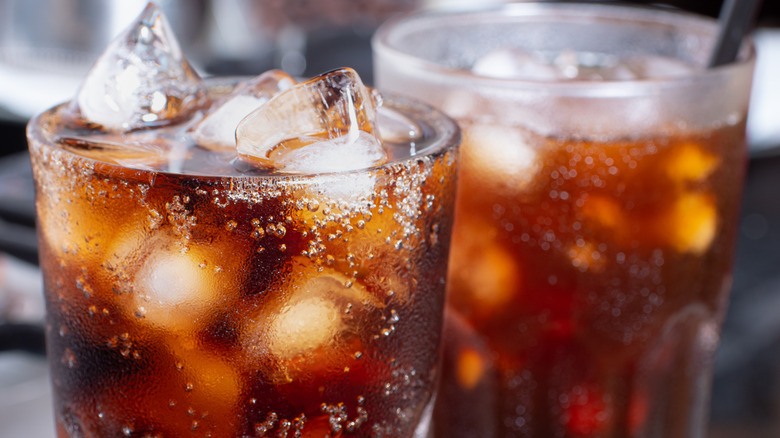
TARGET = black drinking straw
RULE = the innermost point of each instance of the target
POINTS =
(735, 21)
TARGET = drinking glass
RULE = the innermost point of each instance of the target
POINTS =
(599, 191)
(188, 295)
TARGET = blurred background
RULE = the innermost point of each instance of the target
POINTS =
(46, 47)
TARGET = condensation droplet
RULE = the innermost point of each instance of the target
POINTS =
(69, 359)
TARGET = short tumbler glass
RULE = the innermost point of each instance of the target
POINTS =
(218, 303)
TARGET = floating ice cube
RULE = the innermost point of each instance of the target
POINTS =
(514, 64)
(212, 383)
(218, 129)
(395, 127)
(484, 277)
(142, 79)
(332, 155)
(691, 223)
(319, 313)
(304, 325)
(325, 124)
(349, 188)
(172, 282)
(690, 162)
(315, 324)
(504, 156)
(145, 150)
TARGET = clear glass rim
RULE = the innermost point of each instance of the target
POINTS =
(383, 47)
(447, 136)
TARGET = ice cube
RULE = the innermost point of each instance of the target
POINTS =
(78, 220)
(484, 276)
(331, 155)
(690, 223)
(172, 282)
(141, 151)
(501, 155)
(351, 188)
(217, 130)
(304, 325)
(514, 63)
(314, 326)
(655, 67)
(325, 124)
(690, 162)
(212, 383)
(142, 79)
(173, 289)
(395, 127)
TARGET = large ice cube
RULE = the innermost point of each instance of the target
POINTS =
(218, 129)
(142, 79)
(326, 124)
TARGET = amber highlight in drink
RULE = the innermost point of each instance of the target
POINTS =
(599, 191)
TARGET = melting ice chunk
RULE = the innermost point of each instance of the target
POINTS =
(325, 124)
(142, 79)
(217, 131)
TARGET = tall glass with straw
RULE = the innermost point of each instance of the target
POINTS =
(600, 183)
